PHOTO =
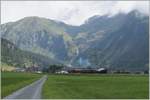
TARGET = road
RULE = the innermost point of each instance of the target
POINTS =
(32, 91)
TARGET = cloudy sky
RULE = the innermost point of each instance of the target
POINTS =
(70, 12)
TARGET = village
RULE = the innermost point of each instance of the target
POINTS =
(56, 69)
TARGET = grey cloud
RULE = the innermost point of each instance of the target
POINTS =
(70, 12)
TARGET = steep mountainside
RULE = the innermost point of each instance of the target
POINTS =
(125, 48)
(39, 35)
(117, 42)
(13, 56)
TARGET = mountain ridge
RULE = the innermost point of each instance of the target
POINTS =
(67, 43)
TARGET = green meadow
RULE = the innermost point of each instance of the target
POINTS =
(96, 87)
(81, 86)
(11, 81)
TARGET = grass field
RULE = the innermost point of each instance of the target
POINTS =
(96, 87)
(11, 81)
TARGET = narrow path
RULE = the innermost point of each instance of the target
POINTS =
(32, 91)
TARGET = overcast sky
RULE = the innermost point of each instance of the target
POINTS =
(70, 12)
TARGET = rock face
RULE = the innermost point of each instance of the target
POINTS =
(117, 42)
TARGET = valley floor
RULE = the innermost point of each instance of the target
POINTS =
(80, 86)
(96, 87)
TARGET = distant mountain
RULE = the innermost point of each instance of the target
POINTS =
(13, 56)
(40, 35)
(117, 42)
(123, 47)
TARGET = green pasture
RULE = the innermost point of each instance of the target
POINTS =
(85, 86)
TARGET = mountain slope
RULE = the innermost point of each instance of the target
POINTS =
(125, 48)
(13, 56)
(39, 35)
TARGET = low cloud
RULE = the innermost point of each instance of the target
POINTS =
(70, 12)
